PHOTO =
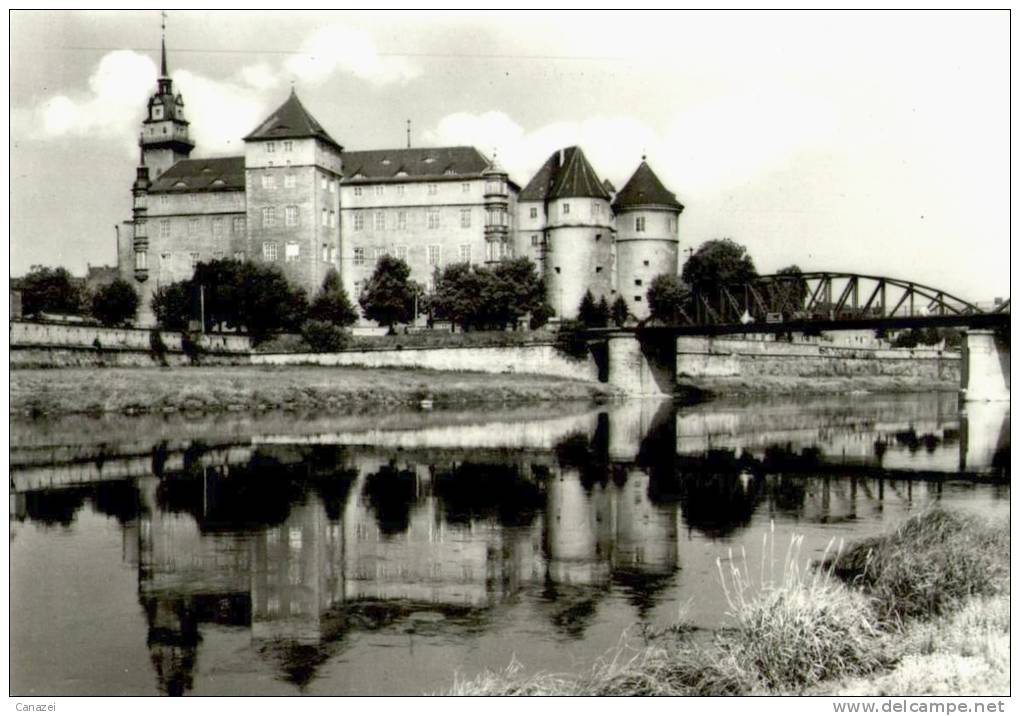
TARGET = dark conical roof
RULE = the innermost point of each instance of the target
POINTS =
(566, 174)
(645, 189)
(291, 121)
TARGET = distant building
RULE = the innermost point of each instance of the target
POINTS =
(298, 200)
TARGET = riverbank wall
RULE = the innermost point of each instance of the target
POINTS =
(36, 344)
(748, 358)
(541, 359)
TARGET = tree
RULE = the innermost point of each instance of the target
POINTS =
(602, 313)
(667, 298)
(479, 297)
(116, 303)
(716, 263)
(331, 303)
(323, 336)
(586, 310)
(46, 290)
(619, 313)
(172, 305)
(388, 296)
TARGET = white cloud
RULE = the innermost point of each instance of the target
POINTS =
(220, 112)
(119, 87)
(260, 76)
(337, 47)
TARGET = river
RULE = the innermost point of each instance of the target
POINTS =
(386, 554)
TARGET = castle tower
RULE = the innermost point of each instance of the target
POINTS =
(567, 204)
(647, 242)
(292, 174)
(164, 139)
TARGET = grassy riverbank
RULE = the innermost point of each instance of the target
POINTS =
(922, 610)
(215, 389)
(813, 385)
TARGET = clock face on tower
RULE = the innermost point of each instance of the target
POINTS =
(157, 112)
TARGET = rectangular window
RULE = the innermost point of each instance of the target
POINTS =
(637, 282)
(239, 225)
(566, 208)
(536, 240)
(465, 188)
(194, 259)
(332, 186)
(380, 221)
(288, 146)
(598, 269)
(292, 252)
(164, 258)
(238, 256)
(637, 299)
(290, 216)
(359, 221)
(433, 188)
(357, 191)
(332, 254)
(400, 189)
(534, 212)
(325, 217)
(325, 253)
(359, 257)
(639, 223)
(465, 253)
(401, 219)
(596, 209)
(433, 218)
(332, 219)
(646, 262)
(289, 181)
(434, 255)
(269, 250)
(380, 190)
(141, 260)
(268, 217)
(465, 218)
(192, 227)
(217, 227)
(164, 229)
(402, 253)
(322, 183)
(268, 181)
(270, 147)
(598, 237)
(164, 200)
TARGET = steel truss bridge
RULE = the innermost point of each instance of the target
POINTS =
(824, 301)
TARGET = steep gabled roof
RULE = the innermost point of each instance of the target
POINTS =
(566, 174)
(645, 189)
(217, 174)
(291, 121)
(418, 163)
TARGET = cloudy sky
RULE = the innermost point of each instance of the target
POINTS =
(863, 142)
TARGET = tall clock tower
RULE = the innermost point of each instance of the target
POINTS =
(165, 140)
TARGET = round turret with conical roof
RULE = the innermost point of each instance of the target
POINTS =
(647, 242)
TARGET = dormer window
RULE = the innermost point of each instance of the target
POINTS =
(448, 171)
(430, 160)
(385, 162)
(157, 112)
(180, 185)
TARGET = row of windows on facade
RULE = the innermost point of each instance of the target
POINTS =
(290, 181)
(238, 225)
(494, 251)
(431, 188)
(292, 252)
(219, 199)
(433, 218)
(291, 217)
(596, 209)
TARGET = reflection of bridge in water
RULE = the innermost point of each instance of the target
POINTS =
(308, 539)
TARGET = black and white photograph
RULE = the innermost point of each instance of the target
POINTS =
(448, 354)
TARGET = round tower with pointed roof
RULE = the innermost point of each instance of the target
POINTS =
(569, 205)
(647, 241)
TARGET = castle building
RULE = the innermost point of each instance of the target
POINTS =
(296, 199)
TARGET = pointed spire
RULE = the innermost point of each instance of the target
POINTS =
(162, 64)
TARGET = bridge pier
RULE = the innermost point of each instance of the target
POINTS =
(645, 368)
(984, 369)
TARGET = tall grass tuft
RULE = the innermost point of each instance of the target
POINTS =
(796, 626)
(929, 566)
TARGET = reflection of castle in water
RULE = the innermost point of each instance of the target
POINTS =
(308, 542)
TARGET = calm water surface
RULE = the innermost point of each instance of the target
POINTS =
(385, 554)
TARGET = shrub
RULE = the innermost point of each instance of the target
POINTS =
(157, 346)
(331, 303)
(323, 336)
(191, 347)
(928, 566)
